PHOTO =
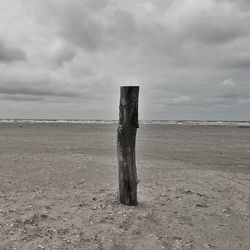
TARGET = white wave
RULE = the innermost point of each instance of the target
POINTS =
(58, 121)
(163, 122)
(197, 122)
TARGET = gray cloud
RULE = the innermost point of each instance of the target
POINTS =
(24, 86)
(190, 57)
(44, 88)
(60, 53)
(11, 54)
(23, 98)
(238, 61)
(217, 25)
(74, 21)
(82, 30)
(64, 56)
(27, 90)
(180, 35)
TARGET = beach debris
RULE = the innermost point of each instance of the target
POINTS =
(201, 195)
(136, 230)
(178, 197)
(185, 191)
(178, 242)
(208, 245)
(81, 204)
(177, 237)
(201, 205)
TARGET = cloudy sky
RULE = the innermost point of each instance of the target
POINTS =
(67, 58)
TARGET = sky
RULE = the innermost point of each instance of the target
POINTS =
(66, 59)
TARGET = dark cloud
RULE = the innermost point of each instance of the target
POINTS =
(241, 4)
(230, 92)
(238, 61)
(217, 30)
(22, 90)
(75, 21)
(23, 98)
(216, 25)
(179, 35)
(33, 87)
(44, 88)
(121, 29)
(64, 56)
(95, 5)
(11, 54)
(82, 30)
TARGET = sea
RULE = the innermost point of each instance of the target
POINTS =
(162, 122)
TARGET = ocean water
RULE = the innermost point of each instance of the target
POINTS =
(163, 122)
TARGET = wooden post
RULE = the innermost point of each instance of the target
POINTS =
(128, 124)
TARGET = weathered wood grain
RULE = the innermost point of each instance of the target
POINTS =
(128, 124)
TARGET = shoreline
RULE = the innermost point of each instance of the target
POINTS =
(141, 122)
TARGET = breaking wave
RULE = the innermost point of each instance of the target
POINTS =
(159, 122)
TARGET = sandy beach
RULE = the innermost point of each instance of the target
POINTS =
(58, 188)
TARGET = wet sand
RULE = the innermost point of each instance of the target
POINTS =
(58, 188)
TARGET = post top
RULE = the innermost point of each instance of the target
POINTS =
(130, 86)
